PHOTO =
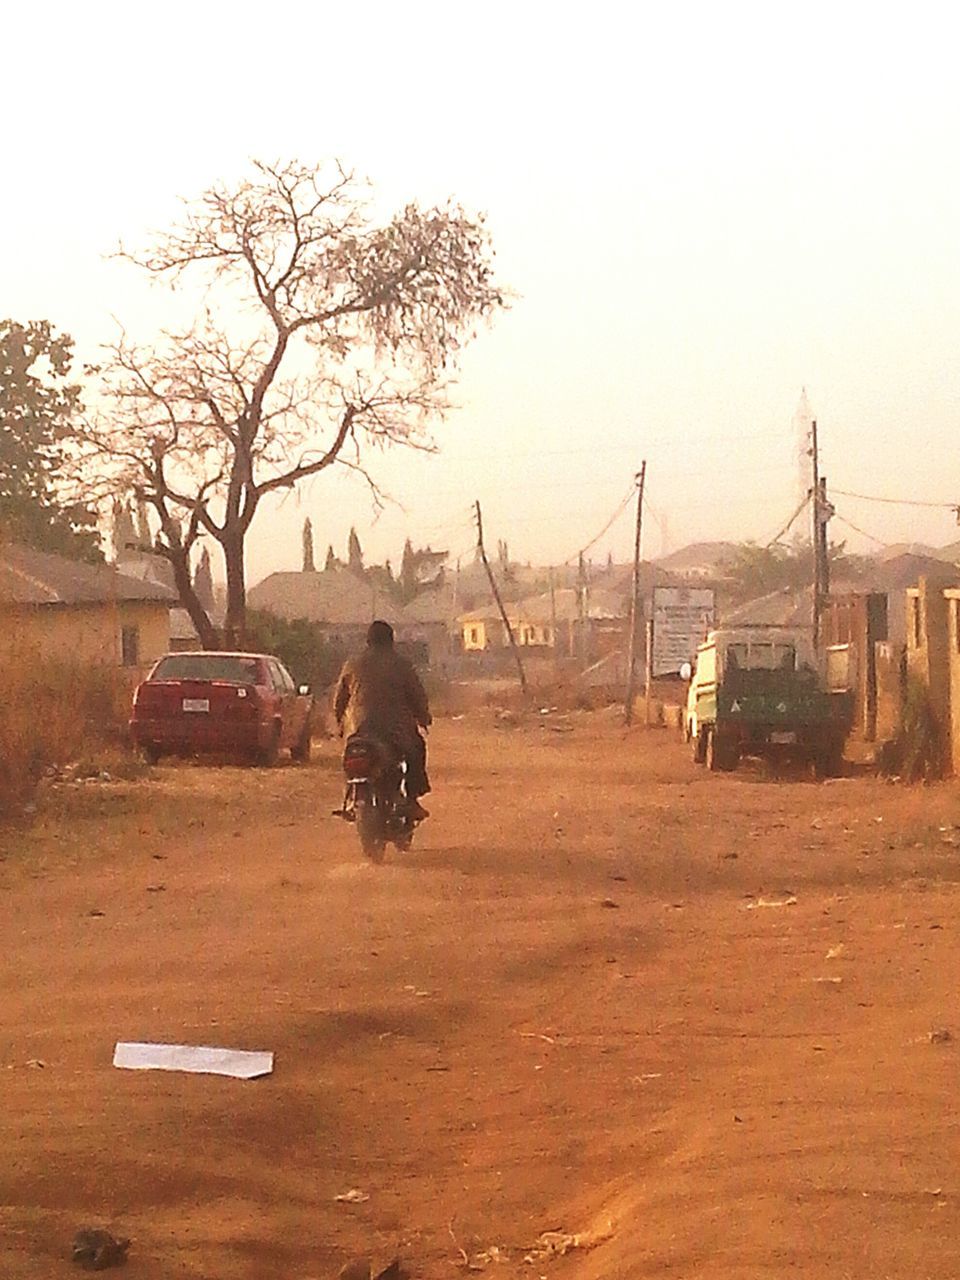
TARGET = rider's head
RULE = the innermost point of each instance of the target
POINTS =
(380, 635)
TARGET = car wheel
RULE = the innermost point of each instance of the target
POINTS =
(302, 748)
(267, 756)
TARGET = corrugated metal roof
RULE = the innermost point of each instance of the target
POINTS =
(31, 577)
(601, 605)
(779, 609)
(336, 597)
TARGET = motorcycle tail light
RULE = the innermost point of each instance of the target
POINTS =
(359, 762)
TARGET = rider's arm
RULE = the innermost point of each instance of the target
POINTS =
(417, 699)
(342, 697)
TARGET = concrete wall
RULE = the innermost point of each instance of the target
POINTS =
(889, 675)
(928, 651)
(87, 634)
(952, 598)
(860, 621)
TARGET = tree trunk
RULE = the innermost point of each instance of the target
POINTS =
(189, 600)
(234, 628)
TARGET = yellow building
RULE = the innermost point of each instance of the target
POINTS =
(546, 621)
(57, 610)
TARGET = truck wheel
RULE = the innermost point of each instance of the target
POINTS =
(720, 754)
(828, 762)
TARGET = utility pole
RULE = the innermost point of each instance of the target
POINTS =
(553, 624)
(581, 613)
(496, 595)
(817, 562)
(825, 511)
(640, 478)
(648, 677)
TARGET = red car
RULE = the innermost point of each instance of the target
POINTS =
(227, 703)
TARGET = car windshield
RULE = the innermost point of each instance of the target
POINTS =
(208, 666)
(761, 656)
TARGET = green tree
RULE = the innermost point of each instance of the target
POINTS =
(354, 554)
(408, 573)
(38, 407)
(754, 571)
(308, 562)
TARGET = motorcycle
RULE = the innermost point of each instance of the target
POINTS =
(375, 798)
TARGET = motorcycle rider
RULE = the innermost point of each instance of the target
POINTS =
(379, 692)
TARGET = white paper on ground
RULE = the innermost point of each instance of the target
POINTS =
(200, 1059)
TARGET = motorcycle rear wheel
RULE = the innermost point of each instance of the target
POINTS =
(370, 829)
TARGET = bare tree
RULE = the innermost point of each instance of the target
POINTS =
(322, 331)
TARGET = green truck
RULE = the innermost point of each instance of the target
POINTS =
(757, 691)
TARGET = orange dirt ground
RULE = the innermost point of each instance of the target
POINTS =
(577, 1005)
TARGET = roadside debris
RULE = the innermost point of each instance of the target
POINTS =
(194, 1059)
(358, 1269)
(95, 1250)
(609, 902)
(555, 1244)
(757, 903)
(353, 1196)
(941, 1035)
(480, 1261)
(361, 1269)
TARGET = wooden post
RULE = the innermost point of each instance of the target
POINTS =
(496, 595)
(581, 645)
(635, 602)
(648, 681)
(553, 625)
(815, 508)
(823, 509)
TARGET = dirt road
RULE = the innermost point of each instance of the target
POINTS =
(685, 1017)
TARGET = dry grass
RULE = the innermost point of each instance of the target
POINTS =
(51, 716)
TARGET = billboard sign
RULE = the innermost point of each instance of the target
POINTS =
(682, 616)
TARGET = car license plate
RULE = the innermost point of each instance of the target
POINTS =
(783, 739)
(196, 704)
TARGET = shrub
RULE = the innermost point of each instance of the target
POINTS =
(917, 753)
(51, 715)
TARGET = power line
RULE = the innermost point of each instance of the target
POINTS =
(881, 542)
(786, 528)
(628, 498)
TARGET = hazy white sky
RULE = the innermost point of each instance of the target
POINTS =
(703, 208)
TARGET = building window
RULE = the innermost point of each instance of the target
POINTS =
(474, 635)
(130, 646)
(915, 616)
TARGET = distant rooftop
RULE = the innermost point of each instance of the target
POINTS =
(335, 597)
(31, 577)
